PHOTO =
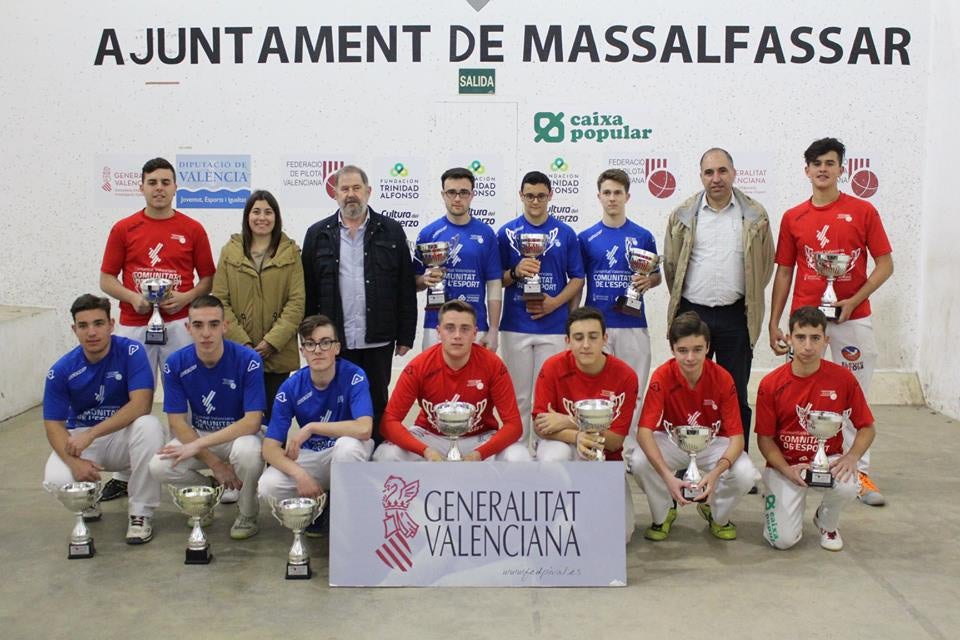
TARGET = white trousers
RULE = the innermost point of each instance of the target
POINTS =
(243, 454)
(732, 485)
(277, 485)
(556, 451)
(524, 355)
(854, 346)
(633, 347)
(129, 449)
(389, 452)
(784, 504)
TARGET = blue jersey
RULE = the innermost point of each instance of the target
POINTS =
(604, 252)
(217, 396)
(346, 398)
(559, 263)
(473, 260)
(84, 394)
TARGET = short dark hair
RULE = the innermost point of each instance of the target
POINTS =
(617, 175)
(308, 324)
(585, 313)
(717, 150)
(824, 145)
(207, 301)
(685, 325)
(458, 173)
(536, 177)
(89, 302)
(247, 232)
(351, 168)
(808, 316)
(456, 305)
(157, 163)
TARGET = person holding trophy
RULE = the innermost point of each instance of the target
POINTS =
(467, 260)
(458, 385)
(826, 239)
(691, 418)
(158, 252)
(803, 401)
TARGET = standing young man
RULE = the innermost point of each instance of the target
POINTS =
(831, 220)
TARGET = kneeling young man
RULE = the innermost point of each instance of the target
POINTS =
(454, 370)
(96, 411)
(330, 398)
(691, 390)
(785, 399)
(221, 384)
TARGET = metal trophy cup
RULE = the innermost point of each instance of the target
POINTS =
(453, 420)
(822, 425)
(433, 255)
(594, 416)
(155, 290)
(831, 265)
(77, 497)
(297, 514)
(692, 439)
(197, 502)
(642, 263)
(533, 245)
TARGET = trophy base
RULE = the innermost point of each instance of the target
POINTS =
(629, 306)
(299, 571)
(80, 551)
(435, 300)
(531, 296)
(821, 479)
(691, 494)
(198, 556)
(830, 311)
(156, 336)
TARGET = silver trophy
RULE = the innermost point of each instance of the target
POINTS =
(77, 497)
(822, 425)
(433, 255)
(594, 416)
(454, 419)
(197, 502)
(642, 263)
(692, 439)
(154, 290)
(297, 514)
(831, 265)
(533, 245)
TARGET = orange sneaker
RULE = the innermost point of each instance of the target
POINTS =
(869, 493)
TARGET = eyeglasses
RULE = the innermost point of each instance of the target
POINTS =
(323, 345)
(453, 194)
(535, 197)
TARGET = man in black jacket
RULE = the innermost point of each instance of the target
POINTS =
(357, 272)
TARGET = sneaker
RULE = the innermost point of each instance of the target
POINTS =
(320, 526)
(659, 532)
(113, 489)
(869, 494)
(720, 531)
(140, 530)
(829, 540)
(230, 496)
(244, 527)
(205, 521)
(92, 514)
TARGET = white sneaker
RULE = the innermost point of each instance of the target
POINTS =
(829, 540)
(230, 496)
(140, 530)
(244, 527)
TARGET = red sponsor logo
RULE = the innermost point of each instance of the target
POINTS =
(398, 526)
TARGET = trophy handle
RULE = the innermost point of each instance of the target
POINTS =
(217, 494)
(274, 503)
(51, 488)
(321, 504)
(714, 430)
(173, 494)
(99, 493)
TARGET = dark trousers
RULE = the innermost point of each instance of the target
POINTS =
(377, 363)
(272, 382)
(730, 347)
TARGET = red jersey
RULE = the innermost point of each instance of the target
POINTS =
(784, 401)
(483, 382)
(848, 224)
(561, 383)
(142, 247)
(712, 401)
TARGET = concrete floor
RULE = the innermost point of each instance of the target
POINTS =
(898, 577)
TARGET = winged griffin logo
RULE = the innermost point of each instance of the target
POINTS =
(398, 525)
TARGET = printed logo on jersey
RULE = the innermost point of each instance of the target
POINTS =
(850, 353)
(828, 393)
(179, 238)
(357, 378)
(655, 386)
(612, 256)
(51, 375)
(187, 371)
(398, 525)
(711, 403)
(453, 258)
(476, 238)
(253, 366)
(281, 397)
(822, 236)
(77, 373)
(513, 237)
(475, 383)
(154, 254)
(207, 401)
(132, 349)
(100, 394)
(114, 375)
(229, 383)
(166, 368)
(304, 398)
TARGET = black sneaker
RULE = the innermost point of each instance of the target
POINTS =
(320, 526)
(113, 489)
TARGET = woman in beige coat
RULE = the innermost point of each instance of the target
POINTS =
(260, 281)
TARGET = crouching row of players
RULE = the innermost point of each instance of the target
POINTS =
(98, 398)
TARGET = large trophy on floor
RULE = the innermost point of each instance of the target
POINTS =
(197, 503)
(77, 497)
(297, 514)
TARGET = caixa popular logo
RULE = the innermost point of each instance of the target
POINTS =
(213, 181)
(863, 181)
(399, 527)
(555, 127)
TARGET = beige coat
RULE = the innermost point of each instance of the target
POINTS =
(266, 305)
(758, 254)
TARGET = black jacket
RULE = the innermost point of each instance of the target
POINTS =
(391, 289)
